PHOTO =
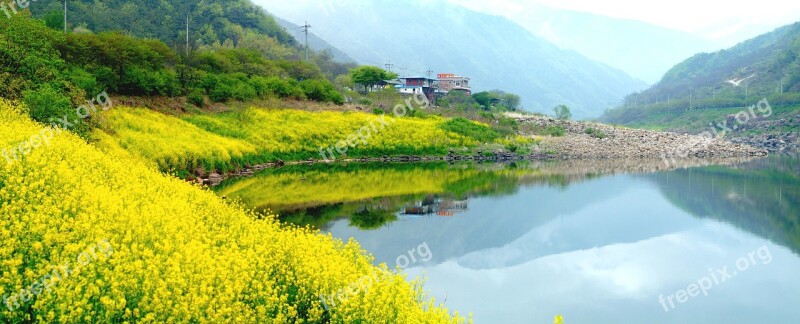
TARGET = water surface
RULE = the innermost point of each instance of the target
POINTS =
(522, 243)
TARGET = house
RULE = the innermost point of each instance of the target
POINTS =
(386, 84)
(418, 85)
(451, 82)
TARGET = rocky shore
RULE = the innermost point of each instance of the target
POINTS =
(584, 140)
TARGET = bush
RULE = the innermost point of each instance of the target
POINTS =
(47, 103)
(242, 91)
(197, 97)
(83, 80)
(220, 93)
(596, 133)
(468, 128)
(555, 131)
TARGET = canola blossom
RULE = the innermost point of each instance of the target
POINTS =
(251, 136)
(180, 253)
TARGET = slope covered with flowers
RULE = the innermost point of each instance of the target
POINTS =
(180, 254)
(252, 136)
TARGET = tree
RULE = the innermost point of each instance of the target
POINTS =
(484, 99)
(562, 112)
(369, 76)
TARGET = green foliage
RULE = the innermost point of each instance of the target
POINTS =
(197, 98)
(321, 90)
(369, 76)
(596, 133)
(54, 19)
(83, 80)
(552, 130)
(468, 128)
(497, 99)
(562, 112)
(484, 99)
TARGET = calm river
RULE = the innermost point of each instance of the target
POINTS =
(523, 243)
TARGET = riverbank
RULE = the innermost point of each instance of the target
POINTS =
(585, 140)
(180, 253)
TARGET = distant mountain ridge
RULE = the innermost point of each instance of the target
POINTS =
(767, 66)
(640, 49)
(493, 51)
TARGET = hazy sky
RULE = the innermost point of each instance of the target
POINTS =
(710, 19)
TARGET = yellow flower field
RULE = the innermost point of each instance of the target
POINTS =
(180, 254)
(251, 136)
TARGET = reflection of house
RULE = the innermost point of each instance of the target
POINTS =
(439, 206)
(418, 85)
(451, 82)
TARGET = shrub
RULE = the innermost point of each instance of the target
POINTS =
(242, 91)
(220, 93)
(47, 103)
(468, 128)
(596, 133)
(197, 97)
(555, 131)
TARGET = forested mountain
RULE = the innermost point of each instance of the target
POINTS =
(445, 38)
(211, 21)
(766, 66)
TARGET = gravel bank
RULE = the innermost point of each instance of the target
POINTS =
(610, 142)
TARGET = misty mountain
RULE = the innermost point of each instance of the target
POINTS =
(642, 50)
(767, 66)
(314, 42)
(494, 51)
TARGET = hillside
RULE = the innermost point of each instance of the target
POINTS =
(493, 51)
(212, 21)
(767, 66)
(642, 50)
(169, 251)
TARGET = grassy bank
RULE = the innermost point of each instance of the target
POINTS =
(176, 253)
(252, 136)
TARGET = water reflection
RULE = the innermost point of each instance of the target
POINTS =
(597, 242)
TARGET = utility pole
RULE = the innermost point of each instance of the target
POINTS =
(65, 16)
(187, 36)
(429, 73)
(305, 30)
(746, 93)
(690, 99)
(389, 66)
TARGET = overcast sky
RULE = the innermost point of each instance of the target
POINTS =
(709, 19)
